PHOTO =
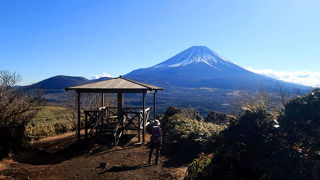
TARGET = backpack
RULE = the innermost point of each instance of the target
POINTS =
(156, 134)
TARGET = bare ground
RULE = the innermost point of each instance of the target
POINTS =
(62, 157)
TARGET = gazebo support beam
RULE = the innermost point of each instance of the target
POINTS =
(102, 105)
(79, 115)
(102, 99)
(120, 108)
(154, 105)
(144, 117)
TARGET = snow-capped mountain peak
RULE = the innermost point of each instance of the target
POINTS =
(193, 55)
(199, 66)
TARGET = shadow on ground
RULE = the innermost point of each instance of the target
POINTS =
(174, 162)
(69, 149)
(125, 168)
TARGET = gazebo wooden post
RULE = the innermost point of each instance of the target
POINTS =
(154, 105)
(102, 105)
(144, 118)
(102, 99)
(85, 126)
(120, 108)
(79, 115)
(139, 130)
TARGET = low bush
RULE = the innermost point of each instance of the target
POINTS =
(300, 121)
(199, 168)
(219, 118)
(254, 148)
(186, 138)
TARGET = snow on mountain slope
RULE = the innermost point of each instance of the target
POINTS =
(193, 55)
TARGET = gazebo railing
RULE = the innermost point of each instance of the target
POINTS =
(106, 119)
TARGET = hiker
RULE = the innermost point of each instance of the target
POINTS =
(155, 140)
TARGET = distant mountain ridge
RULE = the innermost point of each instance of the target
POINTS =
(61, 82)
(53, 88)
(199, 66)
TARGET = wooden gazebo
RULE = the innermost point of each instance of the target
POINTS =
(120, 118)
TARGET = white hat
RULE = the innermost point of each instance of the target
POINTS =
(156, 122)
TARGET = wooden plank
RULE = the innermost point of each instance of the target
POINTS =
(99, 117)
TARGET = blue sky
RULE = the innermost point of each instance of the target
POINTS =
(40, 39)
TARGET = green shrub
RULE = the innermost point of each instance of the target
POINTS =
(219, 118)
(301, 122)
(199, 168)
(186, 138)
(254, 148)
(246, 144)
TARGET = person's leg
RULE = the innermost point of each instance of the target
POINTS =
(150, 153)
(157, 153)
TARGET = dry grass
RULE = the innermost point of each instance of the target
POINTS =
(50, 121)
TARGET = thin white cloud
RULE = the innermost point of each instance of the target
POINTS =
(300, 77)
(100, 76)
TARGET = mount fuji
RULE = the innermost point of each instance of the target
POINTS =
(197, 77)
(199, 66)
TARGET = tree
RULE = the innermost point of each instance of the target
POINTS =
(16, 110)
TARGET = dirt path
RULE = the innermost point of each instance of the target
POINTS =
(57, 159)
